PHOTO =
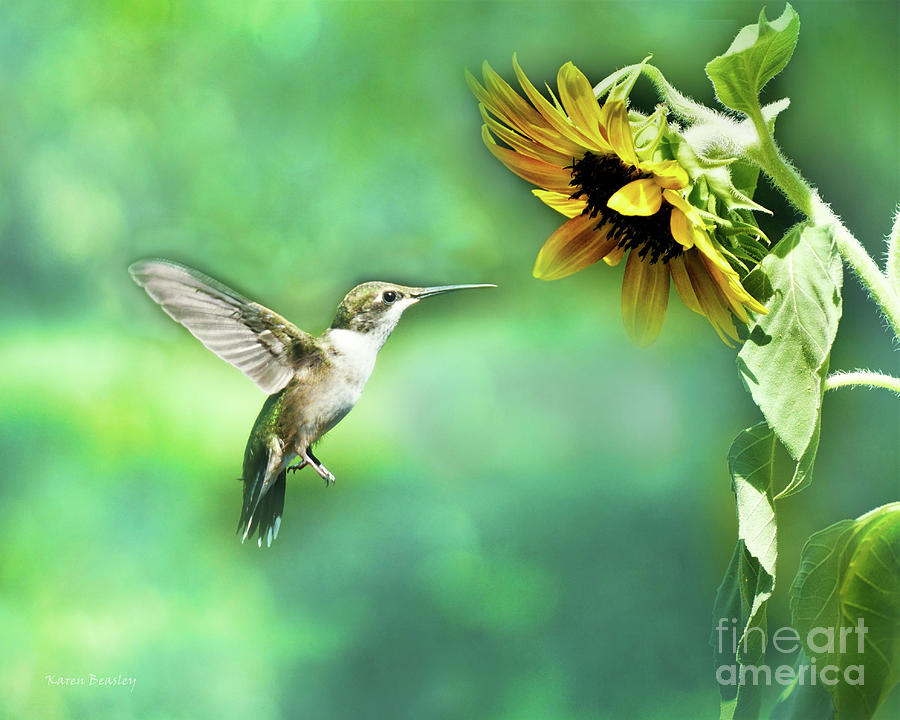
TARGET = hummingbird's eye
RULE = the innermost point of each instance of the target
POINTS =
(390, 296)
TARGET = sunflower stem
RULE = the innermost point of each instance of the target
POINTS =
(806, 199)
(863, 378)
(893, 258)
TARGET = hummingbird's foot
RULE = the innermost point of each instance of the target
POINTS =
(297, 466)
(317, 465)
(324, 473)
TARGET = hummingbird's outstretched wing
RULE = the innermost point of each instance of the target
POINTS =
(260, 343)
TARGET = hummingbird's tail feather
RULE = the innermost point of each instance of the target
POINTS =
(263, 498)
(266, 516)
(266, 519)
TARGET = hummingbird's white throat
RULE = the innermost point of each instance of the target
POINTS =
(351, 343)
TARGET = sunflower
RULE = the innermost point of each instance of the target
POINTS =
(620, 199)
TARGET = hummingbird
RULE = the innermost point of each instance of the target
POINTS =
(312, 382)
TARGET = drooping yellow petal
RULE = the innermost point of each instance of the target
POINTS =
(639, 197)
(729, 288)
(675, 199)
(705, 245)
(511, 109)
(573, 246)
(667, 173)
(718, 271)
(698, 234)
(711, 302)
(545, 175)
(734, 293)
(753, 304)
(683, 284)
(580, 104)
(522, 144)
(478, 90)
(495, 106)
(506, 98)
(734, 290)
(614, 256)
(681, 229)
(561, 203)
(614, 119)
(554, 116)
(645, 295)
(556, 103)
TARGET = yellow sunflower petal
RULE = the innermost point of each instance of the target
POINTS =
(580, 104)
(614, 256)
(682, 282)
(478, 89)
(510, 108)
(614, 119)
(667, 173)
(534, 171)
(711, 302)
(677, 200)
(573, 246)
(639, 197)
(734, 293)
(505, 97)
(645, 295)
(753, 304)
(681, 229)
(704, 244)
(556, 103)
(492, 104)
(561, 203)
(698, 235)
(737, 291)
(729, 287)
(522, 144)
(553, 116)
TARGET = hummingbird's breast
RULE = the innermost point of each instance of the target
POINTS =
(322, 396)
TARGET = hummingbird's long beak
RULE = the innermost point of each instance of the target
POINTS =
(428, 292)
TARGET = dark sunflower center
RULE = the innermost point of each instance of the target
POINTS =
(597, 178)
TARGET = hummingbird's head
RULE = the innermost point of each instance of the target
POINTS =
(375, 307)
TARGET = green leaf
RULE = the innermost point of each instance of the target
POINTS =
(784, 360)
(845, 603)
(750, 578)
(750, 462)
(802, 701)
(758, 53)
(742, 594)
(757, 284)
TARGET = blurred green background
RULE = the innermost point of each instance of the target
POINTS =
(531, 515)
